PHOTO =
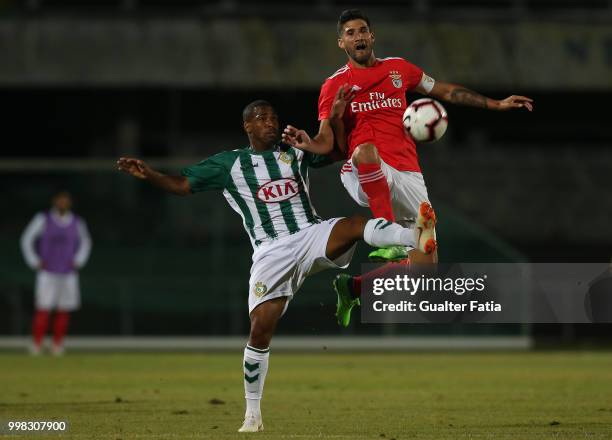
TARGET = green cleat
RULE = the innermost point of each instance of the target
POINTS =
(393, 253)
(345, 299)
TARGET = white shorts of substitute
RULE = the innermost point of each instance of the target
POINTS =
(407, 189)
(280, 268)
(57, 291)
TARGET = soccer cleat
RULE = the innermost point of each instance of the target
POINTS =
(425, 229)
(57, 350)
(393, 253)
(346, 302)
(34, 350)
(252, 423)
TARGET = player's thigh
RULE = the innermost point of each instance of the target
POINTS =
(45, 291)
(314, 256)
(345, 233)
(407, 194)
(69, 295)
(350, 180)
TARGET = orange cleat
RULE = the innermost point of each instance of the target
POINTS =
(425, 229)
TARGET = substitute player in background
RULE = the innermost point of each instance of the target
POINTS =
(56, 244)
(382, 170)
(267, 184)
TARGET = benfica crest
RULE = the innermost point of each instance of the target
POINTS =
(396, 79)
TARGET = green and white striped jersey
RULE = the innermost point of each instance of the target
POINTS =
(268, 189)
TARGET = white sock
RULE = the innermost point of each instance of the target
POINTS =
(381, 233)
(255, 366)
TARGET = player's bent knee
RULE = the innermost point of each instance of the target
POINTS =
(356, 225)
(366, 153)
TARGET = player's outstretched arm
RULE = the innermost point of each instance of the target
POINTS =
(300, 139)
(456, 94)
(344, 95)
(323, 142)
(178, 185)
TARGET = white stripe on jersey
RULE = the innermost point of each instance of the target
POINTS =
(245, 192)
(296, 202)
(340, 71)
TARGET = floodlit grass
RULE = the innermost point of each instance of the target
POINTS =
(561, 395)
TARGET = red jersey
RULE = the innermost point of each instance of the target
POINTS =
(375, 114)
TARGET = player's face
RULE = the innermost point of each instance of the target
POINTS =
(357, 41)
(62, 202)
(264, 125)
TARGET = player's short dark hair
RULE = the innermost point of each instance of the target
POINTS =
(351, 14)
(57, 192)
(248, 111)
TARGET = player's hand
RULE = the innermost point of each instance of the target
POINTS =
(135, 167)
(344, 95)
(515, 101)
(296, 138)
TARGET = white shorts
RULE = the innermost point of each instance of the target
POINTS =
(280, 268)
(57, 291)
(407, 188)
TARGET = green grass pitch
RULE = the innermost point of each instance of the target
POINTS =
(541, 395)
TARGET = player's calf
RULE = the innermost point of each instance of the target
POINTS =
(382, 233)
(264, 319)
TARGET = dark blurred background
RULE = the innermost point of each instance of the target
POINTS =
(83, 82)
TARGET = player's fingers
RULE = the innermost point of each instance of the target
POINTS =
(522, 98)
(287, 136)
(340, 93)
(127, 162)
(122, 164)
(290, 140)
(529, 106)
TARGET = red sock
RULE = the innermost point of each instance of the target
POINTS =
(39, 325)
(374, 184)
(376, 273)
(60, 326)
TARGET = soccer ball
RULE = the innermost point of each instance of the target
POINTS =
(425, 119)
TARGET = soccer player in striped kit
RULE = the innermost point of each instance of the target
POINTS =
(266, 183)
(56, 244)
(382, 170)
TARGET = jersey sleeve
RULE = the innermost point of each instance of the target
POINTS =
(326, 99)
(84, 250)
(413, 74)
(210, 174)
(28, 240)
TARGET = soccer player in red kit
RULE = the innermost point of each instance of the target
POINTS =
(382, 170)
